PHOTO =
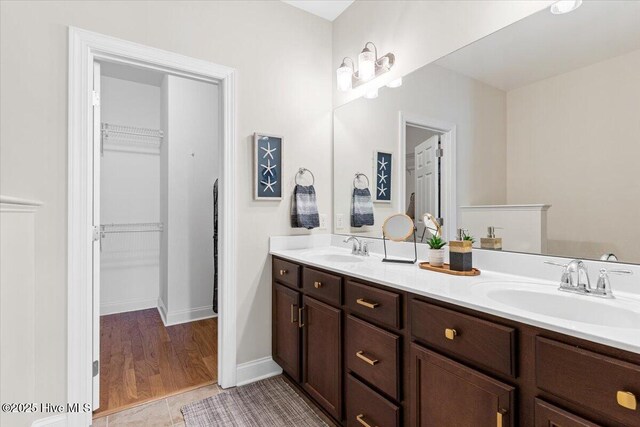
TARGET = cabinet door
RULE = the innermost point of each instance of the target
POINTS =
(446, 393)
(548, 415)
(286, 330)
(322, 354)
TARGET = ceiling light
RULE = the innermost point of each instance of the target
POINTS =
(370, 66)
(565, 6)
(395, 83)
(372, 94)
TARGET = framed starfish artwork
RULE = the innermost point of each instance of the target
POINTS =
(267, 179)
(382, 162)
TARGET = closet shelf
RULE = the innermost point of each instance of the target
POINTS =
(134, 227)
(130, 138)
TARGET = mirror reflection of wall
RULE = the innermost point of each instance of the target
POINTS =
(546, 140)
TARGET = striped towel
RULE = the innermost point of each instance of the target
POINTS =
(304, 209)
(361, 207)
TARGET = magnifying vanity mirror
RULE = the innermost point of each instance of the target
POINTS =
(399, 228)
(532, 130)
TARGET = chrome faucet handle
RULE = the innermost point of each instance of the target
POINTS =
(355, 246)
(364, 249)
(565, 280)
(603, 288)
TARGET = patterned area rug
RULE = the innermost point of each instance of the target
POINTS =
(267, 403)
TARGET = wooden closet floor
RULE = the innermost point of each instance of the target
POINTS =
(142, 360)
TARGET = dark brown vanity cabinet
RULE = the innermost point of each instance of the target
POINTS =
(322, 354)
(446, 393)
(286, 329)
(386, 358)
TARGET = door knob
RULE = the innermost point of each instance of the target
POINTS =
(450, 333)
(317, 285)
(283, 272)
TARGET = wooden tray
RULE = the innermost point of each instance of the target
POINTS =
(446, 270)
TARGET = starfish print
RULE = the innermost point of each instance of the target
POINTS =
(383, 164)
(382, 191)
(268, 168)
(268, 151)
(269, 185)
(383, 177)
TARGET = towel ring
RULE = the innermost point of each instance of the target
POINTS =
(301, 171)
(357, 178)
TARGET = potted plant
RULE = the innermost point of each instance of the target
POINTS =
(436, 251)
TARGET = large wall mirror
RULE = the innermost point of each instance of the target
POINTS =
(533, 130)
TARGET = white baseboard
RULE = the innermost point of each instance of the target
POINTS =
(124, 306)
(170, 318)
(59, 420)
(256, 370)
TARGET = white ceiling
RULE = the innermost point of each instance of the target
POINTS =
(327, 9)
(544, 45)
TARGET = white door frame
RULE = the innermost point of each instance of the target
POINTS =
(449, 204)
(84, 48)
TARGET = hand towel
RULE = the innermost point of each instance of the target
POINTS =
(304, 208)
(361, 207)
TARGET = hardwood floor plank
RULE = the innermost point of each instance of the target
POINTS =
(141, 359)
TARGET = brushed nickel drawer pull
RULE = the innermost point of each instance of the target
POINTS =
(450, 333)
(360, 419)
(627, 400)
(361, 356)
(367, 304)
(283, 272)
(317, 285)
(293, 320)
(300, 312)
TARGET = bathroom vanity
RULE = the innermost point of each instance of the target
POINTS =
(398, 346)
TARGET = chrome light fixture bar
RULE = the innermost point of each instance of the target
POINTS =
(370, 66)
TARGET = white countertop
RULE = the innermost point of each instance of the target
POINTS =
(466, 292)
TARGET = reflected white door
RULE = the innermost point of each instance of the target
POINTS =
(97, 154)
(426, 198)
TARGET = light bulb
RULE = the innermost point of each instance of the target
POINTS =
(371, 94)
(395, 83)
(366, 65)
(565, 6)
(344, 74)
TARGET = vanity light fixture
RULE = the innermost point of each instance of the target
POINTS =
(565, 6)
(369, 67)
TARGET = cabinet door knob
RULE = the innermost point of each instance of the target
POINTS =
(627, 400)
(361, 356)
(367, 304)
(450, 333)
(283, 272)
(360, 419)
(317, 285)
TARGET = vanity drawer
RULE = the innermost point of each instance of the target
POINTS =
(485, 344)
(324, 286)
(286, 272)
(547, 415)
(366, 407)
(373, 354)
(581, 376)
(375, 304)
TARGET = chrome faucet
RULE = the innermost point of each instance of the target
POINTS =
(358, 247)
(575, 278)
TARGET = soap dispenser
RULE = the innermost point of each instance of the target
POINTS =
(491, 241)
(460, 256)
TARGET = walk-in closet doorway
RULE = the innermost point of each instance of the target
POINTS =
(160, 130)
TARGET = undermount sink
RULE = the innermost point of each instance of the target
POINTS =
(340, 258)
(549, 301)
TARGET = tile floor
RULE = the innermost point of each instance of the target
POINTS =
(160, 413)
